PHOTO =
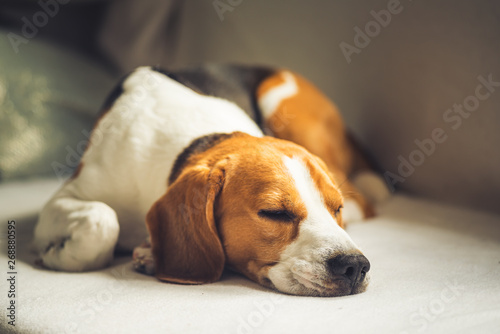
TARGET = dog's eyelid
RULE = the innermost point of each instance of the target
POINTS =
(277, 215)
(337, 210)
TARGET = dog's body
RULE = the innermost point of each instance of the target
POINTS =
(167, 149)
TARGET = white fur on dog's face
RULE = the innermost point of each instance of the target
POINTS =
(302, 268)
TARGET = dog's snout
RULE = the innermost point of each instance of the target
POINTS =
(351, 267)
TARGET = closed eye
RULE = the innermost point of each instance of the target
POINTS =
(277, 215)
(338, 210)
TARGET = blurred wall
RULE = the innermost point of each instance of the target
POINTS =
(403, 85)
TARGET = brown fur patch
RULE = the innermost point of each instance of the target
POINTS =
(311, 120)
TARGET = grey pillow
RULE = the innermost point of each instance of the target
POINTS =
(48, 101)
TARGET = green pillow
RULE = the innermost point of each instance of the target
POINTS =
(48, 101)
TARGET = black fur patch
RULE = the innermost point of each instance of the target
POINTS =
(234, 83)
(197, 146)
(237, 84)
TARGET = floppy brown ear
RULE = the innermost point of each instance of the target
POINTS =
(185, 242)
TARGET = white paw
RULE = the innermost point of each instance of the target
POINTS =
(352, 212)
(76, 235)
(372, 186)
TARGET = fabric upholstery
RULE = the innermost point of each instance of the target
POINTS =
(435, 269)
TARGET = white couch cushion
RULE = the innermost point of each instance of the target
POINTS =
(434, 269)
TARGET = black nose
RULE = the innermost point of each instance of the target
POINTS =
(352, 267)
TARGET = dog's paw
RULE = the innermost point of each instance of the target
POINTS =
(39, 263)
(143, 259)
(352, 211)
(372, 186)
(74, 235)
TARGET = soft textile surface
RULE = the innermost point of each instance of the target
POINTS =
(434, 269)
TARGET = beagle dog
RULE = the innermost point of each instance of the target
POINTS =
(182, 158)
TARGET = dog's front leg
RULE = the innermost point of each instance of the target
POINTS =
(76, 235)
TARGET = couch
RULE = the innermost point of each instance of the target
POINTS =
(435, 269)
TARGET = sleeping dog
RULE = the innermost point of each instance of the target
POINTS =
(182, 158)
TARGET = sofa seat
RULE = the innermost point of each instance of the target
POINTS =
(435, 269)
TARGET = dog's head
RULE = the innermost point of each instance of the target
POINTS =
(264, 207)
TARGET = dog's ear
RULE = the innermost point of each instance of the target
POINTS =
(184, 238)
